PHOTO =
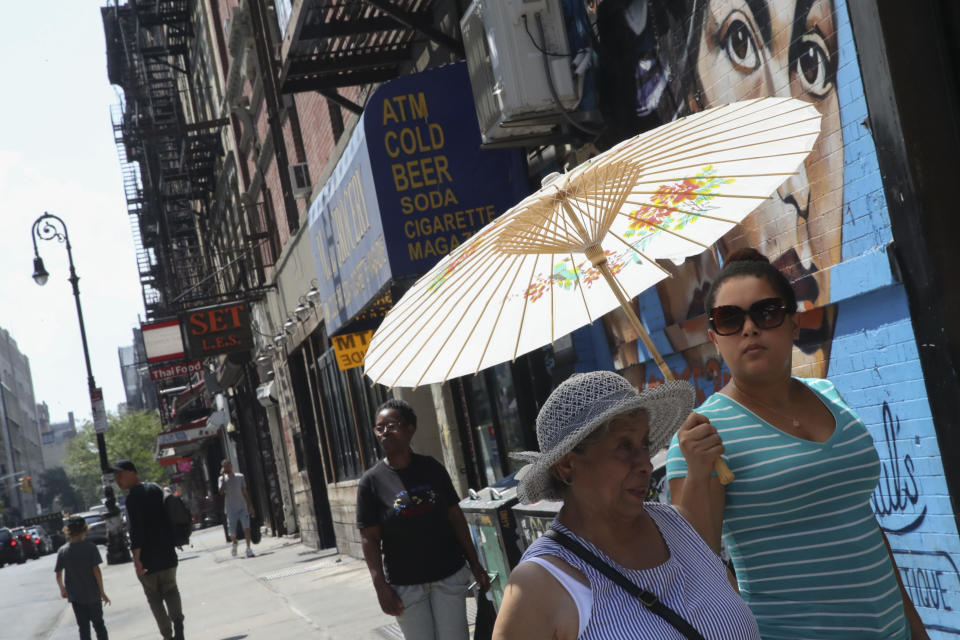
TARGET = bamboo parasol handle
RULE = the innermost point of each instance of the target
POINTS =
(724, 474)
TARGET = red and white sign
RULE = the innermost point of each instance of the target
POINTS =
(165, 372)
(163, 341)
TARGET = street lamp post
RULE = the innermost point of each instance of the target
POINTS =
(50, 227)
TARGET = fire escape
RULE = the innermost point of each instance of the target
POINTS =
(167, 162)
(344, 43)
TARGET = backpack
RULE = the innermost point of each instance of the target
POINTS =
(181, 523)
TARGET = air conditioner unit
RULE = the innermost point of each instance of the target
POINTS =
(509, 45)
(300, 180)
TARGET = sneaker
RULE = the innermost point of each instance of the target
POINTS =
(233, 550)
(249, 552)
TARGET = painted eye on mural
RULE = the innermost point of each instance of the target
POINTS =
(812, 66)
(740, 46)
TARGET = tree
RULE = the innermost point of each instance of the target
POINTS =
(54, 484)
(130, 435)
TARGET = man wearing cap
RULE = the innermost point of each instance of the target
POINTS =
(154, 554)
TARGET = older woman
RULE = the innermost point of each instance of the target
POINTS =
(612, 565)
(415, 539)
(810, 557)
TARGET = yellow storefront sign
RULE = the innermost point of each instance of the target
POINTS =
(350, 349)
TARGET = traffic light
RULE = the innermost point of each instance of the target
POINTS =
(26, 484)
(29, 484)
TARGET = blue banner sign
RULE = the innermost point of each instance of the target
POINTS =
(412, 185)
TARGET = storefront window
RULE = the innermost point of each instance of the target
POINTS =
(483, 429)
(349, 408)
(499, 411)
(504, 392)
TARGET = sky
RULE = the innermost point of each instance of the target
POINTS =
(57, 154)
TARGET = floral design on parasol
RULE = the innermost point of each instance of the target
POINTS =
(588, 241)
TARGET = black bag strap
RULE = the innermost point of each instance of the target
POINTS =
(648, 599)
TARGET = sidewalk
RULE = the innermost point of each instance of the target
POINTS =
(286, 591)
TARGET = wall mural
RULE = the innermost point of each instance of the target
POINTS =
(827, 228)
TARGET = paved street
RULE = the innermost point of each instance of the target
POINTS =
(286, 591)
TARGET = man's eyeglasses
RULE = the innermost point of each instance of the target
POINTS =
(382, 428)
(768, 313)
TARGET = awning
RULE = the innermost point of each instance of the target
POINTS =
(170, 458)
(186, 434)
(185, 397)
(230, 369)
(411, 185)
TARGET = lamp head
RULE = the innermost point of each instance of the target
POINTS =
(303, 310)
(40, 274)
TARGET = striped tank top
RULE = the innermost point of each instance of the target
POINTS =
(808, 552)
(693, 582)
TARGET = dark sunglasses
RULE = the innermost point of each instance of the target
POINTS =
(768, 313)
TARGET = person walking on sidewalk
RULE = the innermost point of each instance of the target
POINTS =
(80, 560)
(414, 535)
(236, 504)
(154, 554)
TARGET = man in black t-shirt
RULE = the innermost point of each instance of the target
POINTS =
(415, 538)
(154, 554)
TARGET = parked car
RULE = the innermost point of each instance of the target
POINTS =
(11, 551)
(96, 526)
(43, 541)
(29, 545)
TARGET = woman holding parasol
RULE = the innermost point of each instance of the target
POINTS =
(810, 557)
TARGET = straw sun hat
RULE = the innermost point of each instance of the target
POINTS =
(582, 403)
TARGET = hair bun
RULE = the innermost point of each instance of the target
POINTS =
(746, 254)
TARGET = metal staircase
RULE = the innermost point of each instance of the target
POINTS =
(167, 163)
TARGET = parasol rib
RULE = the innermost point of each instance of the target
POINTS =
(550, 281)
(473, 329)
(705, 132)
(434, 307)
(713, 147)
(583, 296)
(657, 138)
(443, 345)
(523, 314)
(402, 313)
(496, 322)
(657, 150)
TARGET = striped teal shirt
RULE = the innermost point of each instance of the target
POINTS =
(807, 550)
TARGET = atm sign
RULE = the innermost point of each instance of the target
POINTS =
(351, 348)
(217, 330)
